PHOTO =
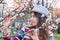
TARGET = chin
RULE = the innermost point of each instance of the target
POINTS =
(33, 25)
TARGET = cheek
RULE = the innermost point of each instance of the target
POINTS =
(34, 21)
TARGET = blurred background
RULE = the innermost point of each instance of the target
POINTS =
(14, 14)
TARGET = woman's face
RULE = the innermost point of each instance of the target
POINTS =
(34, 19)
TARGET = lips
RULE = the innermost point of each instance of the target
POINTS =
(32, 22)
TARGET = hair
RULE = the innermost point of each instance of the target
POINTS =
(58, 28)
(42, 30)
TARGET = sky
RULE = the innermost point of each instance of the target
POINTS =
(56, 4)
(49, 1)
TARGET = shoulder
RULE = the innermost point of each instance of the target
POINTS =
(25, 28)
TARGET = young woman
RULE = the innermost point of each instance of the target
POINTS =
(38, 30)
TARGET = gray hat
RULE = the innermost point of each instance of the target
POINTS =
(40, 9)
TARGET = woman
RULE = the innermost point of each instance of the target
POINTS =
(38, 30)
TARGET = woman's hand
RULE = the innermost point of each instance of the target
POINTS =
(5, 31)
(34, 34)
